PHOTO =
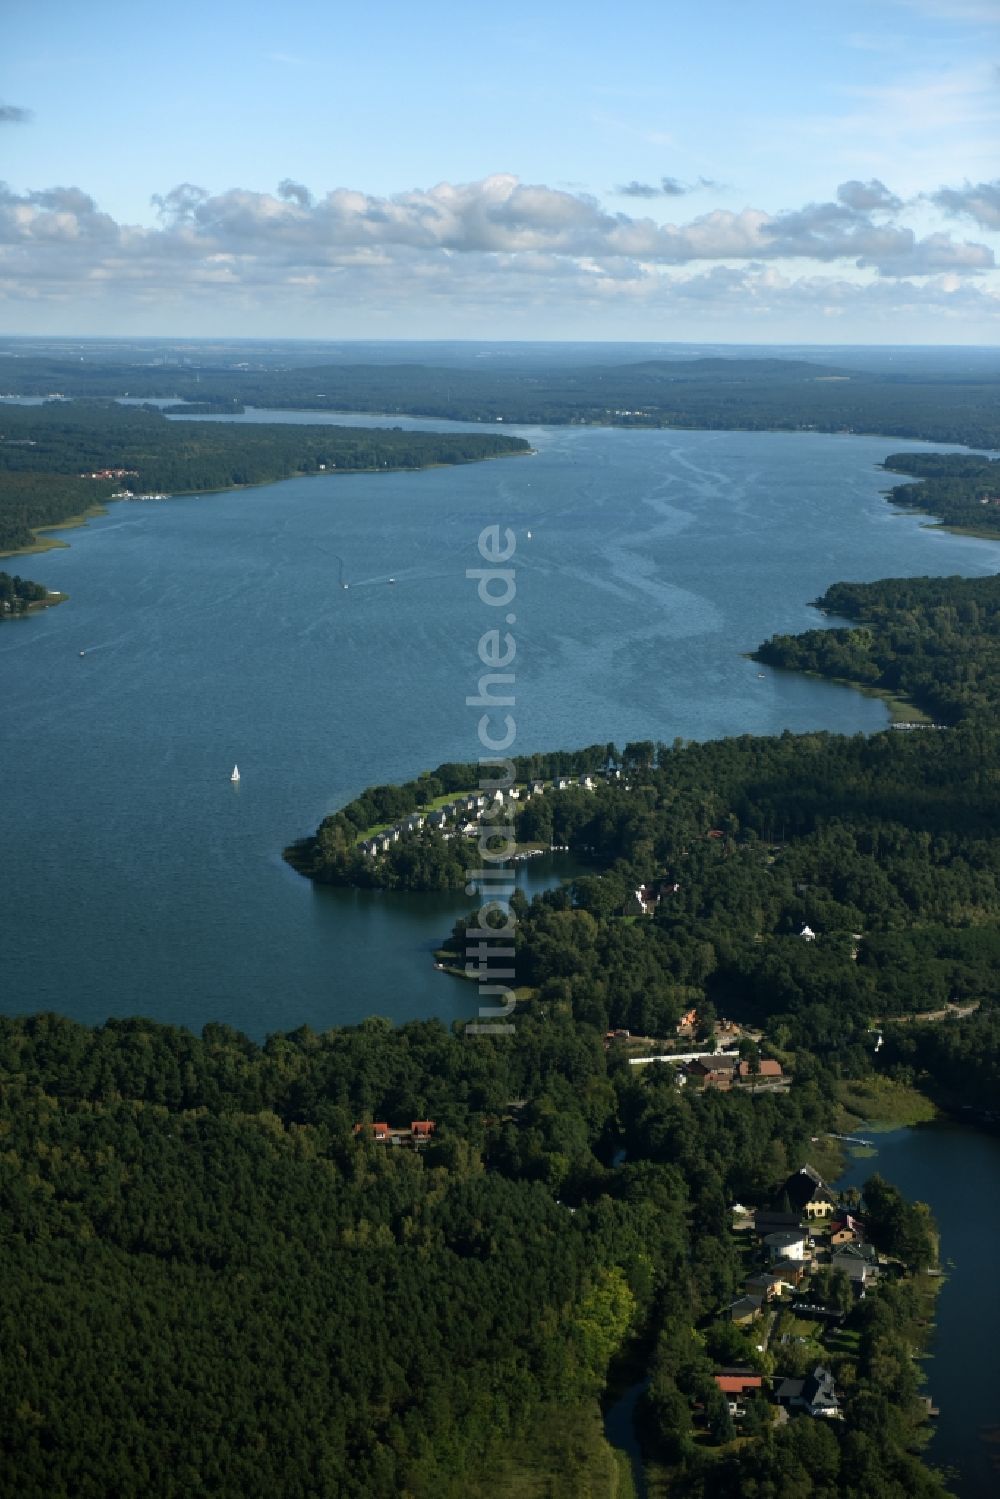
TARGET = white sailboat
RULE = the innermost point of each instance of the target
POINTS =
(235, 775)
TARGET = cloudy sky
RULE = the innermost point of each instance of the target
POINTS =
(786, 170)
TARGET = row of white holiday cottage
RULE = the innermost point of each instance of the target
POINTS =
(465, 811)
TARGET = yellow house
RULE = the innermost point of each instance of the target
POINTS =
(809, 1194)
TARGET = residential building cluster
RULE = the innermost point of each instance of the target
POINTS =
(464, 814)
(725, 1070)
(418, 1133)
(811, 1230)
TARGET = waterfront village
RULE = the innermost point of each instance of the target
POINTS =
(807, 1258)
(720, 1063)
(467, 815)
(808, 1264)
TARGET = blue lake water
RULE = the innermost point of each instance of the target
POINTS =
(135, 878)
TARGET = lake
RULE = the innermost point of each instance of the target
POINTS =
(136, 879)
(955, 1170)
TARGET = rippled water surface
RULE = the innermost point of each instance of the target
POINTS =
(137, 879)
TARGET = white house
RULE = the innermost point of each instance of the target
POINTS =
(790, 1245)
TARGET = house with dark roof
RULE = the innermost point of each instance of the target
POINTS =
(816, 1394)
(773, 1221)
(745, 1310)
(815, 1311)
(809, 1195)
(859, 1263)
(642, 902)
(714, 1072)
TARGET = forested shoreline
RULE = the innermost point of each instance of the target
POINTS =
(935, 641)
(214, 1283)
(818, 888)
(715, 392)
(59, 459)
(961, 489)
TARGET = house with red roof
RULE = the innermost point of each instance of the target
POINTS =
(736, 1385)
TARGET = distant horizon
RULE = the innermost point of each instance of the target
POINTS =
(583, 343)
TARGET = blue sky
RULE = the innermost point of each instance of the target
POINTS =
(745, 172)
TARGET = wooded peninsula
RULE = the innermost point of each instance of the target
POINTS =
(59, 460)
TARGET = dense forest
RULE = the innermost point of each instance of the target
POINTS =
(885, 848)
(957, 1061)
(45, 449)
(213, 1284)
(754, 393)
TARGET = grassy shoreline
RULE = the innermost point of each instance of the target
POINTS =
(45, 543)
(879, 1104)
